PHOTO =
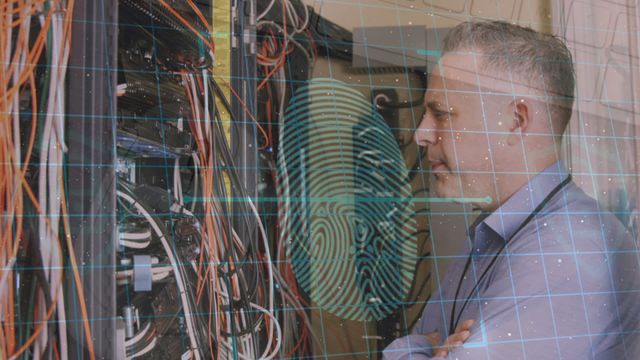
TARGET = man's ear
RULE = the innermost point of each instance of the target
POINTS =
(521, 121)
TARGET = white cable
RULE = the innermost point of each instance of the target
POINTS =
(53, 145)
(60, 97)
(196, 166)
(270, 356)
(45, 238)
(42, 198)
(176, 164)
(276, 349)
(270, 267)
(121, 89)
(14, 108)
(154, 270)
(134, 244)
(246, 341)
(148, 348)
(266, 11)
(293, 21)
(61, 108)
(177, 183)
(196, 106)
(123, 276)
(180, 282)
(244, 346)
(306, 18)
(160, 275)
(136, 235)
(207, 115)
(138, 336)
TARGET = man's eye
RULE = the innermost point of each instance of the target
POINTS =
(441, 115)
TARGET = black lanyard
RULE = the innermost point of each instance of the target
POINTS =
(537, 210)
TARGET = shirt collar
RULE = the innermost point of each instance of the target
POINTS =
(509, 216)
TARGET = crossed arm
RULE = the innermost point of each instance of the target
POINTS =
(434, 345)
(460, 335)
(538, 315)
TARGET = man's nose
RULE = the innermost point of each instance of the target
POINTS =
(426, 134)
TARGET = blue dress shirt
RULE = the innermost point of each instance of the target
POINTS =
(565, 287)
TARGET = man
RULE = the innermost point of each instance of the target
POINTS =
(545, 273)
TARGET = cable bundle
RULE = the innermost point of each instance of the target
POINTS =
(43, 322)
(238, 281)
(284, 34)
(273, 54)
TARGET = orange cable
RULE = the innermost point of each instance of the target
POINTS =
(186, 23)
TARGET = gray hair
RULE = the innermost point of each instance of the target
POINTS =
(543, 58)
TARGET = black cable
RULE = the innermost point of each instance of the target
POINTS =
(228, 159)
(244, 260)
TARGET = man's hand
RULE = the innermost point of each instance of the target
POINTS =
(456, 339)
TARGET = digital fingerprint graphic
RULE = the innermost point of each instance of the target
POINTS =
(346, 214)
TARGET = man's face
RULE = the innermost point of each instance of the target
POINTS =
(464, 129)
